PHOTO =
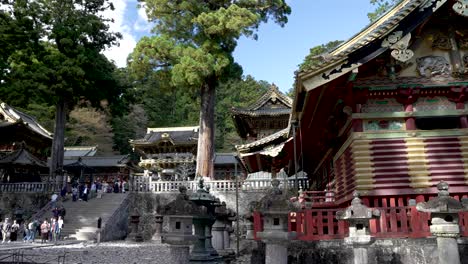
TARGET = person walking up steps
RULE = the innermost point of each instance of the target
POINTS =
(44, 231)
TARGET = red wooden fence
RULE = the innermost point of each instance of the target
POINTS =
(394, 222)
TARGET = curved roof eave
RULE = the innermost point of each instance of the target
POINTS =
(338, 64)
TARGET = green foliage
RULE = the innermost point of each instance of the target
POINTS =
(195, 39)
(381, 7)
(317, 54)
(52, 51)
(192, 50)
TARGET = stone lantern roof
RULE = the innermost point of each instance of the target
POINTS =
(357, 210)
(443, 203)
(181, 205)
(275, 201)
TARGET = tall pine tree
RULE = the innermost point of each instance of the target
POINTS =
(193, 44)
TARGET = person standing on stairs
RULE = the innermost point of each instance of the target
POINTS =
(74, 194)
(85, 193)
(5, 227)
(44, 231)
(15, 227)
(59, 227)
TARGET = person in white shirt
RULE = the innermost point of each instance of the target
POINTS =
(85, 193)
(59, 227)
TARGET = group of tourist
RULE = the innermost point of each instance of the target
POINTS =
(48, 231)
(9, 231)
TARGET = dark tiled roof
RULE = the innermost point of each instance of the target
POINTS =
(225, 158)
(263, 112)
(264, 141)
(273, 102)
(80, 151)
(22, 157)
(181, 135)
(13, 115)
(98, 161)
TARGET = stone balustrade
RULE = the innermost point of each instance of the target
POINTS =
(27, 187)
(146, 184)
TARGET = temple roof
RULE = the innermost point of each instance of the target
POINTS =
(272, 103)
(10, 116)
(80, 151)
(225, 159)
(357, 50)
(22, 157)
(175, 135)
(97, 161)
(282, 135)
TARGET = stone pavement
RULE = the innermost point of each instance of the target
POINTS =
(105, 253)
(121, 252)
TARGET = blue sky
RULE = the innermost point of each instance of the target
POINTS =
(278, 51)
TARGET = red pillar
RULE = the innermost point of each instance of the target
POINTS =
(410, 121)
(463, 119)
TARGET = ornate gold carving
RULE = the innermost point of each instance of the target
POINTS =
(461, 7)
(442, 42)
(399, 46)
(462, 38)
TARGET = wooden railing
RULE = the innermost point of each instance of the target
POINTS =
(145, 184)
(27, 187)
(394, 222)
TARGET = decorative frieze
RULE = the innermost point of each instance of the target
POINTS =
(429, 66)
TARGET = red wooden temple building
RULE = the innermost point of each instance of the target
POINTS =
(385, 114)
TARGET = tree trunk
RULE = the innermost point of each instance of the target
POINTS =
(56, 164)
(205, 152)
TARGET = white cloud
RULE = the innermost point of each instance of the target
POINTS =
(120, 53)
(142, 24)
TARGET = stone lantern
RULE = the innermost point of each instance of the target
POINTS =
(179, 214)
(135, 234)
(203, 250)
(444, 218)
(275, 208)
(222, 229)
(158, 219)
(358, 216)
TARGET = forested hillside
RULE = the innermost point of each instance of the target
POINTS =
(142, 105)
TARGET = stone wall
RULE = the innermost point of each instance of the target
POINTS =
(29, 203)
(147, 205)
(381, 251)
(116, 226)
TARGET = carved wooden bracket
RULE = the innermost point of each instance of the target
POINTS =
(461, 7)
(399, 45)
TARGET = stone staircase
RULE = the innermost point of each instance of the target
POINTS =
(81, 217)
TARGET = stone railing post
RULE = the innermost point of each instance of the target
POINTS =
(358, 216)
(445, 227)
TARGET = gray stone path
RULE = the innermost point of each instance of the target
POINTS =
(111, 253)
